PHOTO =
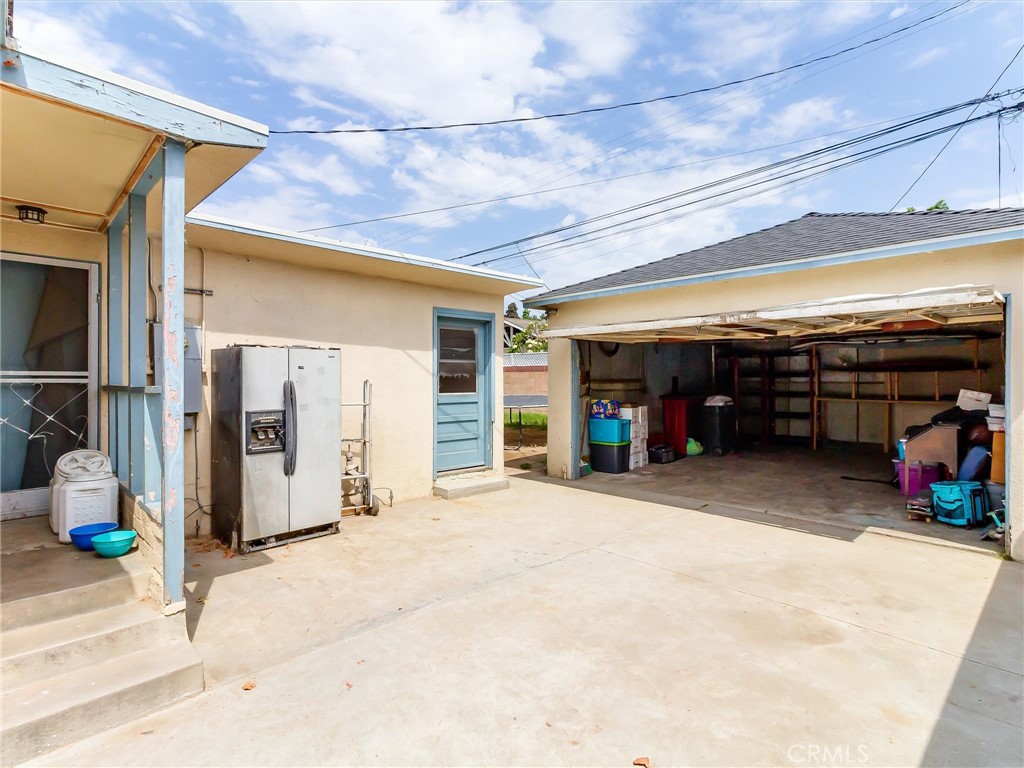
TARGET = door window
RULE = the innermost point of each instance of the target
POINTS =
(44, 369)
(457, 361)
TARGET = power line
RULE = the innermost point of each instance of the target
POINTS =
(534, 193)
(609, 108)
(822, 168)
(950, 140)
(736, 177)
(646, 140)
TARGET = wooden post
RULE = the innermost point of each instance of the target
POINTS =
(172, 431)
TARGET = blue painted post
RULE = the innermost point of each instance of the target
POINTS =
(117, 431)
(172, 412)
(575, 436)
(137, 345)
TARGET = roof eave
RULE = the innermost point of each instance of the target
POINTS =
(79, 85)
(518, 282)
(848, 257)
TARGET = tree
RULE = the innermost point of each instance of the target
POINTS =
(529, 339)
(511, 310)
(941, 205)
(527, 314)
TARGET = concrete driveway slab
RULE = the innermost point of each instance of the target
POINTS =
(543, 626)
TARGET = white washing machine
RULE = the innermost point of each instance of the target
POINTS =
(83, 491)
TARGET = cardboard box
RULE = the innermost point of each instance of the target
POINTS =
(637, 414)
(637, 445)
(969, 400)
(637, 430)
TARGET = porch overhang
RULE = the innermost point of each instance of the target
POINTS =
(77, 142)
(934, 307)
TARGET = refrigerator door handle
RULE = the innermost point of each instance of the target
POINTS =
(290, 428)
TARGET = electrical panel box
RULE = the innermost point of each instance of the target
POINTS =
(192, 365)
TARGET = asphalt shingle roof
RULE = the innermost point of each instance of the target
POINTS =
(811, 236)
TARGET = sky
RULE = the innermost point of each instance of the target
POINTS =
(325, 65)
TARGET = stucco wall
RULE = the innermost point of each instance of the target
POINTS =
(383, 327)
(1000, 265)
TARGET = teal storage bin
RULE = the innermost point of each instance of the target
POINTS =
(609, 430)
(960, 502)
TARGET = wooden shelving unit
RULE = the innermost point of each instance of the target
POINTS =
(771, 378)
(866, 383)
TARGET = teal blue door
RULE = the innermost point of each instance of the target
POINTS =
(462, 392)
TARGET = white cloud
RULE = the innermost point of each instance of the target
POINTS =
(188, 25)
(307, 98)
(78, 37)
(1013, 199)
(432, 61)
(327, 170)
(286, 206)
(600, 37)
(927, 57)
(247, 82)
(898, 11)
(801, 117)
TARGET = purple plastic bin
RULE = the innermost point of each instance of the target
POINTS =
(919, 475)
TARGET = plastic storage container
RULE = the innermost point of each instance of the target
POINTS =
(661, 454)
(609, 430)
(83, 491)
(719, 428)
(612, 458)
(960, 502)
(920, 474)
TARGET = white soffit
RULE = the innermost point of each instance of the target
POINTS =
(937, 307)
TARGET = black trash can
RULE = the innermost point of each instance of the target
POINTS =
(719, 428)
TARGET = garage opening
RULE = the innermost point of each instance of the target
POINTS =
(839, 411)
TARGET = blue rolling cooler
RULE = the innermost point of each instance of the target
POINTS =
(960, 502)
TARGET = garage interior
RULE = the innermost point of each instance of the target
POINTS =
(822, 394)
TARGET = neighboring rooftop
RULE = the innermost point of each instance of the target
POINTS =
(813, 237)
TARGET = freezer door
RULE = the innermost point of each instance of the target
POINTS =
(315, 486)
(264, 484)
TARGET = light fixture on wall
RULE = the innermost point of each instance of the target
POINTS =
(31, 214)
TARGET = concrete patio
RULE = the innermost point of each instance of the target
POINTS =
(552, 624)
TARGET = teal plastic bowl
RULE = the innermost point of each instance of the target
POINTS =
(113, 544)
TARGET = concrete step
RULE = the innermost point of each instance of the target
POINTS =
(48, 714)
(457, 487)
(44, 585)
(38, 651)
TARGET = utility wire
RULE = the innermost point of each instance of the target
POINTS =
(703, 161)
(825, 167)
(646, 140)
(641, 102)
(762, 169)
(957, 131)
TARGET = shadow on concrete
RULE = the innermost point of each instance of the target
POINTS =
(982, 721)
(782, 486)
(594, 484)
(207, 560)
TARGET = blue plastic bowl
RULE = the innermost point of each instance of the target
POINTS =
(82, 536)
(113, 544)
